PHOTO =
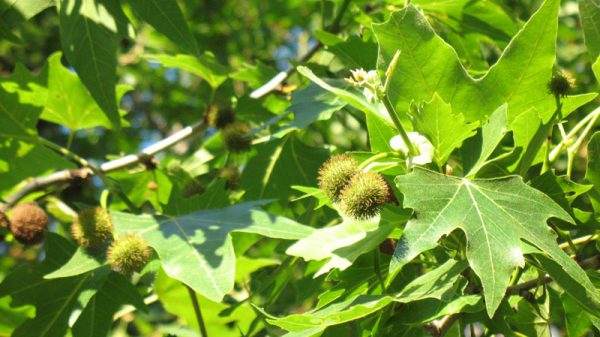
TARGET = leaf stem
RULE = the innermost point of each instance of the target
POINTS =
(581, 124)
(70, 139)
(373, 159)
(197, 310)
(377, 267)
(64, 151)
(412, 151)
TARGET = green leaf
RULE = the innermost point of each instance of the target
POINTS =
(14, 12)
(428, 65)
(356, 100)
(430, 285)
(254, 75)
(112, 292)
(495, 214)
(176, 299)
(166, 17)
(69, 103)
(279, 164)
(592, 174)
(381, 131)
(589, 10)
(445, 130)
(354, 52)
(315, 192)
(477, 150)
(205, 66)
(22, 97)
(151, 186)
(196, 248)
(309, 105)
(89, 36)
(79, 263)
(342, 244)
(596, 69)
(560, 188)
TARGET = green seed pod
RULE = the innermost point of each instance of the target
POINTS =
(4, 222)
(561, 84)
(129, 254)
(335, 174)
(220, 118)
(93, 227)
(235, 137)
(28, 223)
(364, 196)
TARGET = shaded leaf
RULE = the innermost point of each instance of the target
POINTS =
(69, 102)
(196, 248)
(166, 17)
(89, 36)
(589, 11)
(205, 66)
(279, 164)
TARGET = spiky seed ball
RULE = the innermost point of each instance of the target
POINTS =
(561, 83)
(129, 254)
(192, 188)
(335, 174)
(28, 223)
(364, 196)
(232, 175)
(220, 118)
(235, 137)
(4, 222)
(93, 227)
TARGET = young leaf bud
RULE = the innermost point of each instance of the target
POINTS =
(28, 223)
(220, 118)
(93, 227)
(129, 254)
(335, 174)
(561, 84)
(364, 196)
(235, 137)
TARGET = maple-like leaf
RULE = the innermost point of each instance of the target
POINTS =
(500, 218)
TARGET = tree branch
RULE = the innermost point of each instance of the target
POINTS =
(66, 176)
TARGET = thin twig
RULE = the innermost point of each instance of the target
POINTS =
(197, 310)
(66, 176)
(440, 327)
(282, 76)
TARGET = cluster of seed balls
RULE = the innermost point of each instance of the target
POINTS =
(359, 195)
(234, 134)
(93, 230)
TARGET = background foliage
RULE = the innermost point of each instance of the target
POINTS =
(496, 234)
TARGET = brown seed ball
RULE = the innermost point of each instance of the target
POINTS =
(232, 176)
(335, 174)
(129, 254)
(236, 139)
(93, 227)
(28, 223)
(4, 222)
(364, 196)
(220, 118)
